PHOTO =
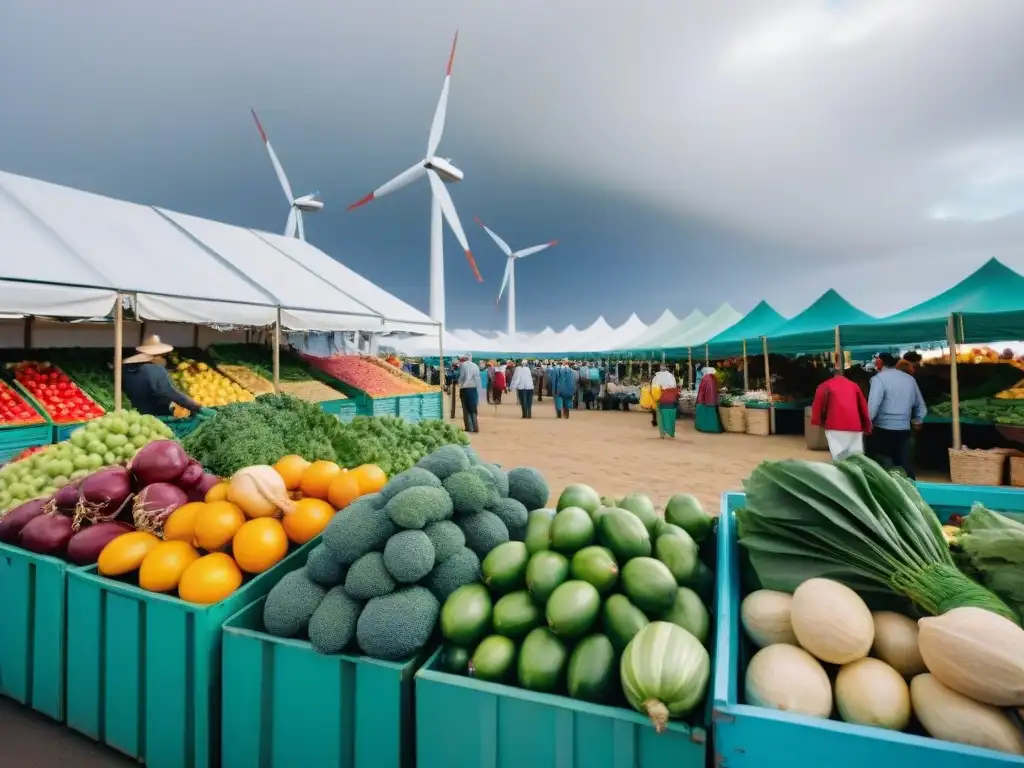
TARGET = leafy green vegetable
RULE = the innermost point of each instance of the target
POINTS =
(260, 360)
(856, 523)
(990, 547)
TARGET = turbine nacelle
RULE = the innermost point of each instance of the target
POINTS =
(444, 169)
(309, 203)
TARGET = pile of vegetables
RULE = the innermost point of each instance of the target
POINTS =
(106, 441)
(602, 600)
(15, 410)
(246, 434)
(63, 400)
(860, 607)
(387, 561)
(368, 374)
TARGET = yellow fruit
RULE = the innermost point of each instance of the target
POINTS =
(259, 544)
(181, 524)
(216, 525)
(162, 568)
(307, 520)
(125, 553)
(210, 579)
(316, 480)
(219, 492)
(291, 468)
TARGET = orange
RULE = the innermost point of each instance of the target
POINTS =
(161, 570)
(219, 492)
(181, 523)
(317, 478)
(210, 579)
(259, 544)
(216, 525)
(125, 553)
(308, 519)
(291, 468)
(343, 491)
(370, 477)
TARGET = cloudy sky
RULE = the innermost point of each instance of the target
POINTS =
(684, 152)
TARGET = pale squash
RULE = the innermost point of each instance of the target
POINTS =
(870, 692)
(788, 679)
(951, 716)
(977, 653)
(766, 618)
(831, 621)
(896, 643)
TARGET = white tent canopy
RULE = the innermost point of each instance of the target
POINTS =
(630, 329)
(658, 328)
(68, 253)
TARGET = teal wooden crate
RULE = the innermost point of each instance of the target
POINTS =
(754, 737)
(33, 591)
(499, 725)
(14, 440)
(285, 705)
(181, 427)
(344, 409)
(379, 406)
(146, 673)
(410, 407)
(432, 406)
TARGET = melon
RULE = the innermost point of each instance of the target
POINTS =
(831, 621)
(788, 679)
(765, 615)
(951, 716)
(896, 643)
(870, 692)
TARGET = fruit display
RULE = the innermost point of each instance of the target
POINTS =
(844, 560)
(62, 399)
(313, 391)
(602, 600)
(244, 434)
(107, 441)
(15, 410)
(206, 385)
(387, 561)
(393, 366)
(295, 377)
(247, 379)
(368, 374)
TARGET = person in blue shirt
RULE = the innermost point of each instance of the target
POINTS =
(563, 388)
(897, 409)
(148, 385)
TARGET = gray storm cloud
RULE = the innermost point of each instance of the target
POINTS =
(855, 133)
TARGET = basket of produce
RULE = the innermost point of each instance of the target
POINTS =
(596, 624)
(22, 425)
(734, 418)
(368, 375)
(970, 466)
(246, 379)
(853, 624)
(64, 402)
(759, 421)
(205, 384)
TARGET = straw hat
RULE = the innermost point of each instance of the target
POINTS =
(149, 348)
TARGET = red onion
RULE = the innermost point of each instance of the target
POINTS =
(64, 501)
(198, 491)
(102, 494)
(154, 503)
(47, 534)
(162, 461)
(14, 520)
(86, 545)
(193, 474)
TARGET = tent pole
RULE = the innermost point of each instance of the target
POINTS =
(954, 383)
(118, 345)
(277, 352)
(839, 353)
(768, 383)
(707, 359)
(440, 362)
(689, 367)
(746, 372)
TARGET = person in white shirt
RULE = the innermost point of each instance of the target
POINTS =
(667, 401)
(469, 392)
(522, 384)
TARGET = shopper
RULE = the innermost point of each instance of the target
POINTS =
(497, 384)
(667, 401)
(469, 392)
(896, 407)
(522, 384)
(563, 387)
(842, 410)
(537, 372)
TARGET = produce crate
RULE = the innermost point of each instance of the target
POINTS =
(180, 427)
(33, 590)
(62, 432)
(14, 440)
(756, 737)
(285, 705)
(343, 409)
(146, 674)
(499, 725)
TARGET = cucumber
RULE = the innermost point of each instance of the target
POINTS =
(688, 612)
(624, 534)
(649, 585)
(466, 614)
(538, 530)
(641, 506)
(542, 660)
(504, 568)
(573, 607)
(571, 530)
(679, 552)
(545, 571)
(597, 566)
(621, 620)
(685, 510)
(455, 659)
(592, 671)
(493, 660)
(516, 614)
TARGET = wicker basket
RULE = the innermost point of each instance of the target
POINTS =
(1017, 471)
(759, 421)
(976, 467)
(734, 418)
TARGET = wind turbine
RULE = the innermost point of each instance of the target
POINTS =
(510, 272)
(307, 203)
(438, 171)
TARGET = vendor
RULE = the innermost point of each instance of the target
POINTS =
(147, 384)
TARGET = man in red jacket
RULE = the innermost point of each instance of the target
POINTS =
(841, 408)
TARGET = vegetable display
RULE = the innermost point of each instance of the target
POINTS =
(369, 374)
(863, 611)
(63, 400)
(295, 377)
(602, 600)
(15, 410)
(388, 560)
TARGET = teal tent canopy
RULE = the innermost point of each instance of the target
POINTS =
(814, 329)
(758, 322)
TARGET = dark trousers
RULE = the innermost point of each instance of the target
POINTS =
(891, 448)
(452, 389)
(654, 417)
(470, 400)
(525, 397)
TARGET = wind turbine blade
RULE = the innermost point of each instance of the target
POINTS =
(404, 179)
(501, 243)
(504, 280)
(278, 169)
(289, 227)
(437, 127)
(535, 249)
(302, 228)
(448, 209)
